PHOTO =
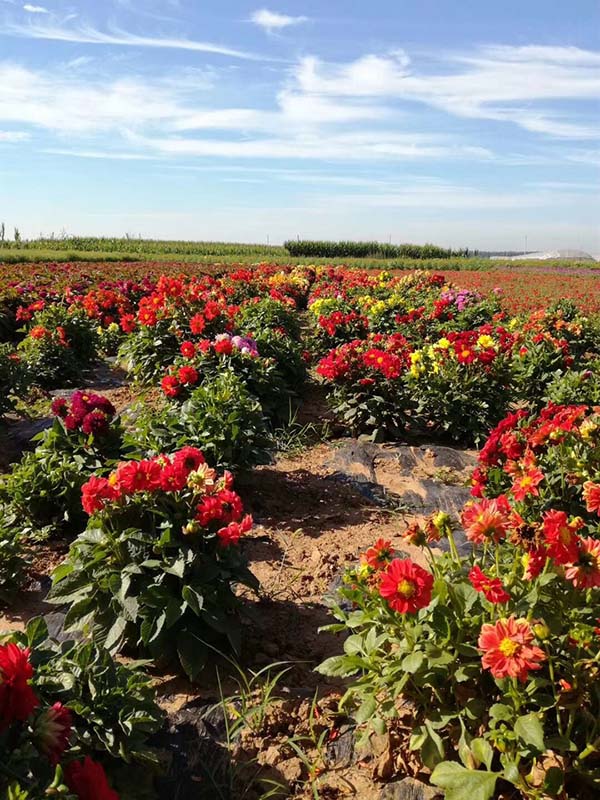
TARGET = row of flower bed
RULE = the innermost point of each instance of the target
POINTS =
(496, 645)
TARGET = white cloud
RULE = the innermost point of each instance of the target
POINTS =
(366, 145)
(273, 21)
(86, 34)
(496, 83)
(152, 115)
(35, 9)
(14, 136)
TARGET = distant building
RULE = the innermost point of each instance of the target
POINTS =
(574, 255)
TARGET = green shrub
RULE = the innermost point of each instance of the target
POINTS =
(221, 417)
(12, 556)
(44, 488)
(112, 714)
(60, 345)
(154, 571)
(13, 379)
(147, 351)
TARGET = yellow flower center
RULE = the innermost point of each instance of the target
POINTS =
(508, 647)
(565, 535)
(406, 588)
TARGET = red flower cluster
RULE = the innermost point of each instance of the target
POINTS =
(365, 360)
(87, 412)
(337, 320)
(219, 507)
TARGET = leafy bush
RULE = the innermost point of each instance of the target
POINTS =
(576, 386)
(262, 314)
(220, 417)
(155, 569)
(287, 354)
(149, 350)
(12, 556)
(543, 461)
(461, 383)
(369, 392)
(60, 703)
(60, 345)
(496, 653)
(13, 380)
(44, 488)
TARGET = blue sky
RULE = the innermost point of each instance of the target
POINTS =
(461, 123)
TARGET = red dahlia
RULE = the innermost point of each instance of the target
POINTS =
(17, 698)
(406, 586)
(88, 780)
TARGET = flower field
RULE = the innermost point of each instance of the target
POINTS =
(183, 510)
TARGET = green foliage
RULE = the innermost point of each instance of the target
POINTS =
(113, 706)
(112, 713)
(220, 417)
(44, 489)
(13, 378)
(149, 350)
(138, 247)
(12, 556)
(288, 355)
(148, 577)
(576, 386)
(325, 249)
(61, 344)
(266, 314)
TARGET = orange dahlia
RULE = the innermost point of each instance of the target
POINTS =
(507, 649)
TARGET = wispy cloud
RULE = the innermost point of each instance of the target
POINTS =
(363, 146)
(496, 83)
(86, 34)
(159, 115)
(14, 136)
(35, 9)
(271, 21)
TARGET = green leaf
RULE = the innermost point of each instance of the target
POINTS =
(461, 783)
(365, 710)
(37, 631)
(192, 653)
(115, 634)
(554, 781)
(413, 661)
(529, 730)
(338, 667)
(193, 598)
(482, 750)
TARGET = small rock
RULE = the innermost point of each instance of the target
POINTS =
(271, 756)
(290, 769)
(340, 751)
(409, 789)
